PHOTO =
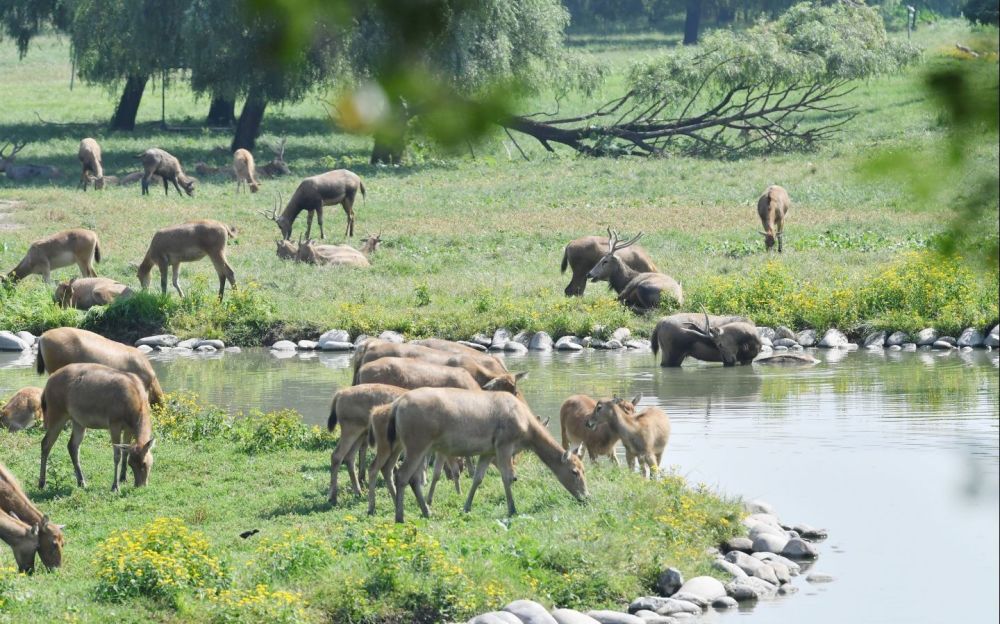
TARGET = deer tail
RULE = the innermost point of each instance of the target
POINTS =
(331, 422)
(654, 342)
(361, 187)
(97, 252)
(565, 260)
(39, 360)
(391, 433)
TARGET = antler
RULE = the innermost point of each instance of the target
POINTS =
(280, 151)
(615, 243)
(273, 215)
(708, 327)
(17, 147)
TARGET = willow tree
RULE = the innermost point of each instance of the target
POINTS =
(23, 20)
(122, 43)
(231, 56)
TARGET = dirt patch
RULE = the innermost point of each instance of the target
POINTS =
(6, 220)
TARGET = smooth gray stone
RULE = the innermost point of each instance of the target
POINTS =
(750, 588)
(730, 568)
(482, 339)
(766, 529)
(178, 350)
(568, 343)
(742, 544)
(392, 336)
(851, 346)
(927, 337)
(787, 359)
(530, 612)
(705, 587)
(819, 577)
(895, 348)
(190, 343)
(949, 339)
(781, 348)
(786, 590)
(785, 342)
(597, 343)
(669, 581)
(876, 339)
(770, 542)
(541, 341)
(164, 348)
(783, 332)
(694, 599)
(29, 338)
(942, 345)
(335, 345)
(652, 618)
(622, 334)
(910, 346)
(283, 345)
(966, 349)
(307, 345)
(159, 340)
(897, 339)
(766, 332)
(206, 349)
(833, 339)
(336, 335)
(781, 572)
(745, 562)
(145, 348)
(495, 617)
(971, 337)
(766, 342)
(615, 617)
(361, 339)
(772, 558)
(638, 343)
(500, 339)
(806, 337)
(763, 518)
(472, 345)
(724, 603)
(993, 339)
(514, 347)
(522, 338)
(9, 341)
(809, 532)
(758, 506)
(233, 350)
(217, 344)
(572, 616)
(798, 548)
(613, 344)
(584, 342)
(663, 606)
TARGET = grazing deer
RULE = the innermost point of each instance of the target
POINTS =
(84, 293)
(277, 166)
(23, 409)
(726, 339)
(333, 187)
(59, 250)
(15, 502)
(93, 171)
(599, 440)
(460, 423)
(160, 162)
(338, 255)
(644, 435)
(22, 539)
(245, 171)
(583, 253)
(94, 396)
(772, 207)
(62, 346)
(639, 291)
(188, 242)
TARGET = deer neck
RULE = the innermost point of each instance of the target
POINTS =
(544, 445)
(621, 275)
(622, 424)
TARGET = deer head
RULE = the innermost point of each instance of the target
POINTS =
(7, 159)
(286, 228)
(606, 265)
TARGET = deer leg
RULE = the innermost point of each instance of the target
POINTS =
(781, 240)
(438, 465)
(349, 211)
(505, 462)
(309, 223)
(120, 456)
(457, 475)
(363, 460)
(225, 273)
(145, 184)
(417, 485)
(47, 273)
(351, 460)
(383, 463)
(51, 435)
(481, 467)
(344, 448)
(75, 438)
(166, 188)
(163, 276)
(405, 474)
(319, 220)
(174, 270)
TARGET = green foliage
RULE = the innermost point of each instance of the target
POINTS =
(158, 560)
(259, 432)
(28, 306)
(182, 416)
(296, 552)
(985, 12)
(130, 318)
(8, 575)
(260, 604)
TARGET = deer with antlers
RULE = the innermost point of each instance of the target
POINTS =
(639, 291)
(333, 187)
(277, 166)
(23, 172)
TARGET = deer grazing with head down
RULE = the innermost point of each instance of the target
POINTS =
(188, 242)
(90, 158)
(333, 187)
(246, 173)
(15, 502)
(156, 161)
(639, 291)
(78, 246)
(772, 207)
(23, 409)
(726, 339)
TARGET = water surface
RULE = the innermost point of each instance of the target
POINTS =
(896, 454)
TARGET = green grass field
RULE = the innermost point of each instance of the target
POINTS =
(474, 242)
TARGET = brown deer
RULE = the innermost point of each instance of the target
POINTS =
(333, 187)
(277, 166)
(460, 423)
(94, 396)
(245, 171)
(287, 250)
(583, 253)
(188, 242)
(15, 502)
(644, 435)
(772, 207)
(22, 539)
(156, 161)
(23, 409)
(84, 293)
(409, 373)
(598, 441)
(726, 339)
(338, 255)
(62, 346)
(90, 158)
(639, 291)
(78, 246)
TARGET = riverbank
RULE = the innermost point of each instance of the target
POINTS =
(220, 476)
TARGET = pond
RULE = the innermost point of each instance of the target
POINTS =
(896, 454)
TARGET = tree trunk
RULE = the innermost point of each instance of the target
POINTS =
(726, 16)
(691, 22)
(222, 112)
(128, 105)
(390, 140)
(248, 127)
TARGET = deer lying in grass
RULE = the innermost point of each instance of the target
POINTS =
(160, 162)
(582, 254)
(22, 539)
(599, 440)
(90, 158)
(772, 207)
(67, 345)
(78, 246)
(460, 423)
(287, 250)
(15, 502)
(644, 435)
(84, 293)
(21, 173)
(351, 409)
(23, 409)
(639, 291)
(246, 173)
(482, 371)
(333, 187)
(277, 166)
(188, 242)
(726, 339)
(94, 396)
(137, 176)
(338, 255)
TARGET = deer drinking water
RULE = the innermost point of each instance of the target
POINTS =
(333, 187)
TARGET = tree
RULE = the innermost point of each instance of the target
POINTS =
(22, 20)
(124, 43)
(738, 93)
(221, 112)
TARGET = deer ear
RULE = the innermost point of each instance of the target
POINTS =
(491, 384)
(148, 446)
(636, 399)
(566, 456)
(520, 376)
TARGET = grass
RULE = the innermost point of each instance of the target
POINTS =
(474, 242)
(172, 552)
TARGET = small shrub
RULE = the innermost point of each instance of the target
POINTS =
(130, 318)
(158, 560)
(182, 416)
(260, 432)
(292, 554)
(260, 604)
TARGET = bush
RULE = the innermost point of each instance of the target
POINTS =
(182, 416)
(293, 553)
(28, 306)
(260, 432)
(158, 560)
(260, 604)
(985, 12)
